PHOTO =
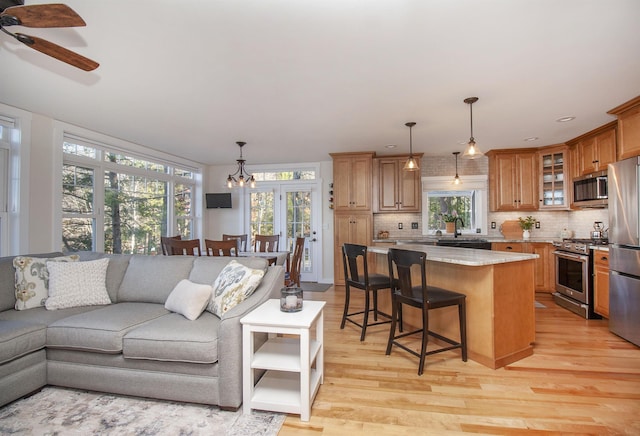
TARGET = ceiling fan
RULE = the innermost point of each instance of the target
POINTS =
(14, 13)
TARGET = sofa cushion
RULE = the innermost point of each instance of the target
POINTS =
(73, 284)
(118, 264)
(7, 280)
(101, 330)
(32, 279)
(206, 269)
(173, 338)
(189, 299)
(40, 315)
(18, 338)
(234, 284)
(150, 279)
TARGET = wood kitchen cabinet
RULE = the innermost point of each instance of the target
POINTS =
(513, 177)
(554, 180)
(394, 189)
(544, 265)
(356, 228)
(628, 128)
(595, 149)
(352, 181)
(601, 283)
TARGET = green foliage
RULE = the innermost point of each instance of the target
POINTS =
(526, 223)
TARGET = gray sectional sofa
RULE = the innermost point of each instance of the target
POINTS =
(133, 346)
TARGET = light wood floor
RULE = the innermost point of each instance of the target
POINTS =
(582, 379)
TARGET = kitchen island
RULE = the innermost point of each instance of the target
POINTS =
(500, 299)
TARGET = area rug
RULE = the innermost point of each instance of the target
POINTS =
(315, 287)
(59, 411)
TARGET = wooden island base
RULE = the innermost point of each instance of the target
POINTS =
(500, 309)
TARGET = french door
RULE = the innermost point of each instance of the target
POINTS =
(289, 210)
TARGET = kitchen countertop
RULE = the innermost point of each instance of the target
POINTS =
(434, 239)
(461, 256)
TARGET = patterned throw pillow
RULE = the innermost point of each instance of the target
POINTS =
(235, 283)
(32, 279)
(74, 284)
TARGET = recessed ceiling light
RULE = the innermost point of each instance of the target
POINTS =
(390, 146)
(531, 138)
(565, 119)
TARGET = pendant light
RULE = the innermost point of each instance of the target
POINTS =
(412, 163)
(472, 151)
(456, 179)
(243, 176)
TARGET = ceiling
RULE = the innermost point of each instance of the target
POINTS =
(299, 79)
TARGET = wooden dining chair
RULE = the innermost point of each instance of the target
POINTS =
(425, 298)
(163, 243)
(188, 247)
(242, 240)
(293, 277)
(221, 248)
(266, 243)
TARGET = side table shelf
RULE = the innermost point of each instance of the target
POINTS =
(293, 365)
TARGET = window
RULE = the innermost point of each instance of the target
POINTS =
(468, 201)
(118, 202)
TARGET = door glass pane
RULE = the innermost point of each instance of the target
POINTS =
(262, 214)
(299, 223)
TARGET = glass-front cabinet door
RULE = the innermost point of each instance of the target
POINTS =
(554, 178)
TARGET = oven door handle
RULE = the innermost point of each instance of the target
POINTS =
(570, 255)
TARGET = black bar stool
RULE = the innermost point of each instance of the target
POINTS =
(425, 298)
(352, 254)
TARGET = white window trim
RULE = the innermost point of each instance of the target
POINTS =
(15, 225)
(478, 183)
(63, 130)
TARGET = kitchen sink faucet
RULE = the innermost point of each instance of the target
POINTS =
(455, 227)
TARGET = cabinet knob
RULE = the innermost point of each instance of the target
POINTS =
(604, 258)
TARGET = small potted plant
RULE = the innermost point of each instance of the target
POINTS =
(526, 224)
(449, 219)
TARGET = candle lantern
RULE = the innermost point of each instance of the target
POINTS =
(291, 299)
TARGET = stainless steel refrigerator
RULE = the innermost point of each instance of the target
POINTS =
(624, 249)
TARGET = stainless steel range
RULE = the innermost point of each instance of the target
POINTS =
(574, 275)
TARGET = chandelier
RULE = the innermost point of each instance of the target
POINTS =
(243, 177)
(472, 151)
(412, 163)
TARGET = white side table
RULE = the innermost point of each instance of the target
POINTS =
(294, 365)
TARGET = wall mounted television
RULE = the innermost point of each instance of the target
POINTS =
(220, 200)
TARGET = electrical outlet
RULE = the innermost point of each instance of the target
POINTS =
(414, 225)
(400, 226)
(493, 224)
(478, 230)
(537, 224)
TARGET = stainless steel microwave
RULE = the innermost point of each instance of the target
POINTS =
(591, 190)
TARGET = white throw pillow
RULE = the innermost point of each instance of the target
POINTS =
(32, 279)
(189, 299)
(76, 284)
(235, 283)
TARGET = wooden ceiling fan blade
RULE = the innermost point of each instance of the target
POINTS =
(55, 51)
(54, 15)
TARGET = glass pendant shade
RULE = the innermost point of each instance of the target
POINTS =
(412, 163)
(456, 179)
(472, 151)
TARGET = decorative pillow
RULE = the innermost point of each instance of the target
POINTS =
(32, 279)
(235, 283)
(74, 284)
(189, 299)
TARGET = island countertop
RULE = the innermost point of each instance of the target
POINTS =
(460, 256)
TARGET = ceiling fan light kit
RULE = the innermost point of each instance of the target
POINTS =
(412, 163)
(13, 13)
(472, 151)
